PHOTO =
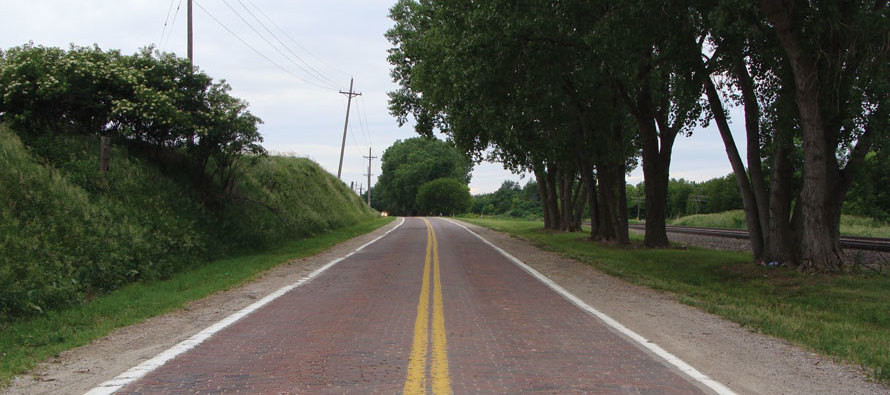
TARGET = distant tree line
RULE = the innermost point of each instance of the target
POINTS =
(149, 99)
(510, 199)
(576, 92)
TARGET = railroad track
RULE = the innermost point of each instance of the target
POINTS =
(847, 242)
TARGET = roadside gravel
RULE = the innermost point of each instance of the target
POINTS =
(747, 362)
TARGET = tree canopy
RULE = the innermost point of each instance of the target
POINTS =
(576, 91)
(409, 164)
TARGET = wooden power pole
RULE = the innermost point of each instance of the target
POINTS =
(190, 52)
(349, 96)
(369, 157)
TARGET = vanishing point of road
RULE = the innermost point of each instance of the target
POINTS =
(428, 308)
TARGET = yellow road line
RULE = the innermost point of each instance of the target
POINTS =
(439, 370)
(415, 382)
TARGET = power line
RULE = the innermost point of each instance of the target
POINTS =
(309, 69)
(367, 127)
(167, 19)
(252, 47)
(172, 24)
(330, 86)
(329, 66)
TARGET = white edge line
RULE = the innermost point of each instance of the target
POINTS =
(136, 372)
(656, 349)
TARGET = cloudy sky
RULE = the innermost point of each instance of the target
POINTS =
(291, 78)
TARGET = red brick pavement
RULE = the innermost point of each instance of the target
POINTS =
(350, 330)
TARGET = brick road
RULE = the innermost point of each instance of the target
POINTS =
(353, 330)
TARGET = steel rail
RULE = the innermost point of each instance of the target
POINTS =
(847, 242)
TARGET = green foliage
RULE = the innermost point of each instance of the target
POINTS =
(443, 196)
(687, 198)
(408, 164)
(843, 316)
(869, 195)
(69, 232)
(148, 98)
(510, 199)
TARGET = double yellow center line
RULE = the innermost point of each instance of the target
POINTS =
(416, 382)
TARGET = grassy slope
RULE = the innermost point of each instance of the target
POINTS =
(735, 219)
(845, 316)
(70, 235)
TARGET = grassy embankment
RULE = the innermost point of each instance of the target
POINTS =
(845, 316)
(84, 253)
(735, 219)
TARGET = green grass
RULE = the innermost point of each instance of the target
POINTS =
(735, 219)
(25, 343)
(845, 316)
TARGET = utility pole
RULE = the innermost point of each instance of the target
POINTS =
(191, 56)
(360, 189)
(369, 157)
(349, 95)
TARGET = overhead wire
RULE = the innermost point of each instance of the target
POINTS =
(167, 19)
(163, 44)
(308, 67)
(329, 85)
(367, 127)
(291, 38)
(253, 48)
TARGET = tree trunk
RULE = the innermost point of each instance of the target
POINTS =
(752, 129)
(622, 236)
(565, 193)
(555, 222)
(541, 178)
(656, 164)
(593, 204)
(749, 202)
(820, 244)
(609, 207)
(580, 200)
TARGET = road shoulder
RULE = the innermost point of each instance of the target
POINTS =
(745, 361)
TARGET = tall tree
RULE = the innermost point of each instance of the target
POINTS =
(838, 54)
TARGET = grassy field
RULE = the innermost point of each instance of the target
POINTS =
(845, 316)
(25, 343)
(735, 219)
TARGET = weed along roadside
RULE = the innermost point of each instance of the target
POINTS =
(842, 316)
(27, 342)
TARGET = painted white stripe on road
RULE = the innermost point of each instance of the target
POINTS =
(670, 358)
(138, 371)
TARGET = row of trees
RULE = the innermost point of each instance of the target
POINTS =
(576, 91)
(149, 98)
